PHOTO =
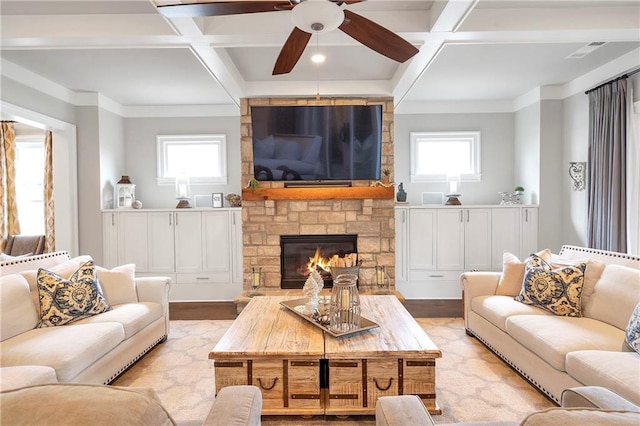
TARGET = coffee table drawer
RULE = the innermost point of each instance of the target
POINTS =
(345, 386)
(382, 379)
(303, 384)
(230, 373)
(418, 377)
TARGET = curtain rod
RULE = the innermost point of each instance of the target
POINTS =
(629, 74)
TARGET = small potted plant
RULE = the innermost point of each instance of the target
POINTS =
(386, 175)
(253, 184)
(518, 191)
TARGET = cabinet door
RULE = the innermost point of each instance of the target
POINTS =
(161, 258)
(401, 241)
(529, 231)
(216, 244)
(132, 240)
(450, 236)
(188, 243)
(236, 245)
(109, 239)
(505, 234)
(477, 239)
(422, 239)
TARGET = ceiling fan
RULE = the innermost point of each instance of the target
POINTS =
(309, 17)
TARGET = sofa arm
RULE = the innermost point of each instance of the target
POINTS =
(155, 289)
(596, 397)
(476, 284)
(402, 410)
(239, 405)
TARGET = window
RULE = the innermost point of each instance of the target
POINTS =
(434, 155)
(30, 184)
(202, 157)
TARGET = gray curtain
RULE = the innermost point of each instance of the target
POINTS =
(606, 199)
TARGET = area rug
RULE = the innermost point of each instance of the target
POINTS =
(472, 383)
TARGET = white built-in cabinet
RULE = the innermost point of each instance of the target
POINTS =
(434, 245)
(201, 250)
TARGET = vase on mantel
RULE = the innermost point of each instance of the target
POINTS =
(345, 304)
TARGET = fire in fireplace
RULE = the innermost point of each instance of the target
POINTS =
(297, 250)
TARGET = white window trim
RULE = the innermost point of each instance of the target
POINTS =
(163, 140)
(472, 136)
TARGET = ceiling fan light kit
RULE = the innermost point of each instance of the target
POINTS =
(317, 16)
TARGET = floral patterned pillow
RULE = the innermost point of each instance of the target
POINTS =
(555, 290)
(63, 301)
(632, 331)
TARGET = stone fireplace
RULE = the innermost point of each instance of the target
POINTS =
(297, 250)
(266, 219)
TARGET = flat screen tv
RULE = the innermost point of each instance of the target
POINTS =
(317, 143)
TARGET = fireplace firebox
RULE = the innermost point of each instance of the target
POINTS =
(296, 250)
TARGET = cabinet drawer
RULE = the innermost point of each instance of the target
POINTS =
(434, 275)
(268, 376)
(302, 384)
(231, 372)
(382, 379)
(418, 377)
(203, 278)
(345, 385)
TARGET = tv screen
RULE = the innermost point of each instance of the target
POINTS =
(337, 142)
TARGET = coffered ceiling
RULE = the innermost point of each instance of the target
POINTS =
(470, 51)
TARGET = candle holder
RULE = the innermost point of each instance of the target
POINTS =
(256, 282)
(183, 191)
(382, 280)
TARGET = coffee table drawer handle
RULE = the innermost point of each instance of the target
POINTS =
(267, 387)
(383, 388)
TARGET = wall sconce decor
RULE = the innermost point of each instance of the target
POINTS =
(577, 172)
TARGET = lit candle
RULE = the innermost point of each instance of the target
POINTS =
(344, 302)
(379, 275)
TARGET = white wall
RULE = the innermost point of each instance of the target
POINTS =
(112, 157)
(140, 153)
(497, 166)
(526, 155)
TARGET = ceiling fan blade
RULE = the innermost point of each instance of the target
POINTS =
(291, 51)
(377, 37)
(221, 8)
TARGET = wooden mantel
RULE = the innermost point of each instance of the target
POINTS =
(340, 193)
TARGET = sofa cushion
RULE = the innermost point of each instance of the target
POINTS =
(17, 311)
(510, 282)
(619, 287)
(133, 316)
(26, 375)
(118, 284)
(552, 337)
(82, 404)
(632, 332)
(63, 301)
(556, 290)
(621, 375)
(68, 349)
(496, 309)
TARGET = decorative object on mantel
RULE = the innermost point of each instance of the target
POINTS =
(453, 183)
(382, 184)
(256, 282)
(253, 184)
(125, 193)
(137, 204)
(517, 192)
(183, 189)
(577, 172)
(386, 175)
(401, 197)
(234, 200)
(509, 198)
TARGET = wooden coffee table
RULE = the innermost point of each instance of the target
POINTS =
(302, 370)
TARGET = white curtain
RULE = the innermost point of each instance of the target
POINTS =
(633, 174)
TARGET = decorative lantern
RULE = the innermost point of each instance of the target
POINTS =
(125, 193)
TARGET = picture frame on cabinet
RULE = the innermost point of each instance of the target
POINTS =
(216, 199)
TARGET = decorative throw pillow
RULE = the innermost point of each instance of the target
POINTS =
(555, 290)
(63, 301)
(632, 331)
(118, 284)
(510, 282)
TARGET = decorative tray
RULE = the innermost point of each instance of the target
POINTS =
(296, 305)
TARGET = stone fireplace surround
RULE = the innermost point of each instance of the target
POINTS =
(264, 220)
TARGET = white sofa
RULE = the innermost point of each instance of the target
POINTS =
(93, 350)
(557, 352)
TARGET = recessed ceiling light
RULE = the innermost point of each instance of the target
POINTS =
(318, 58)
